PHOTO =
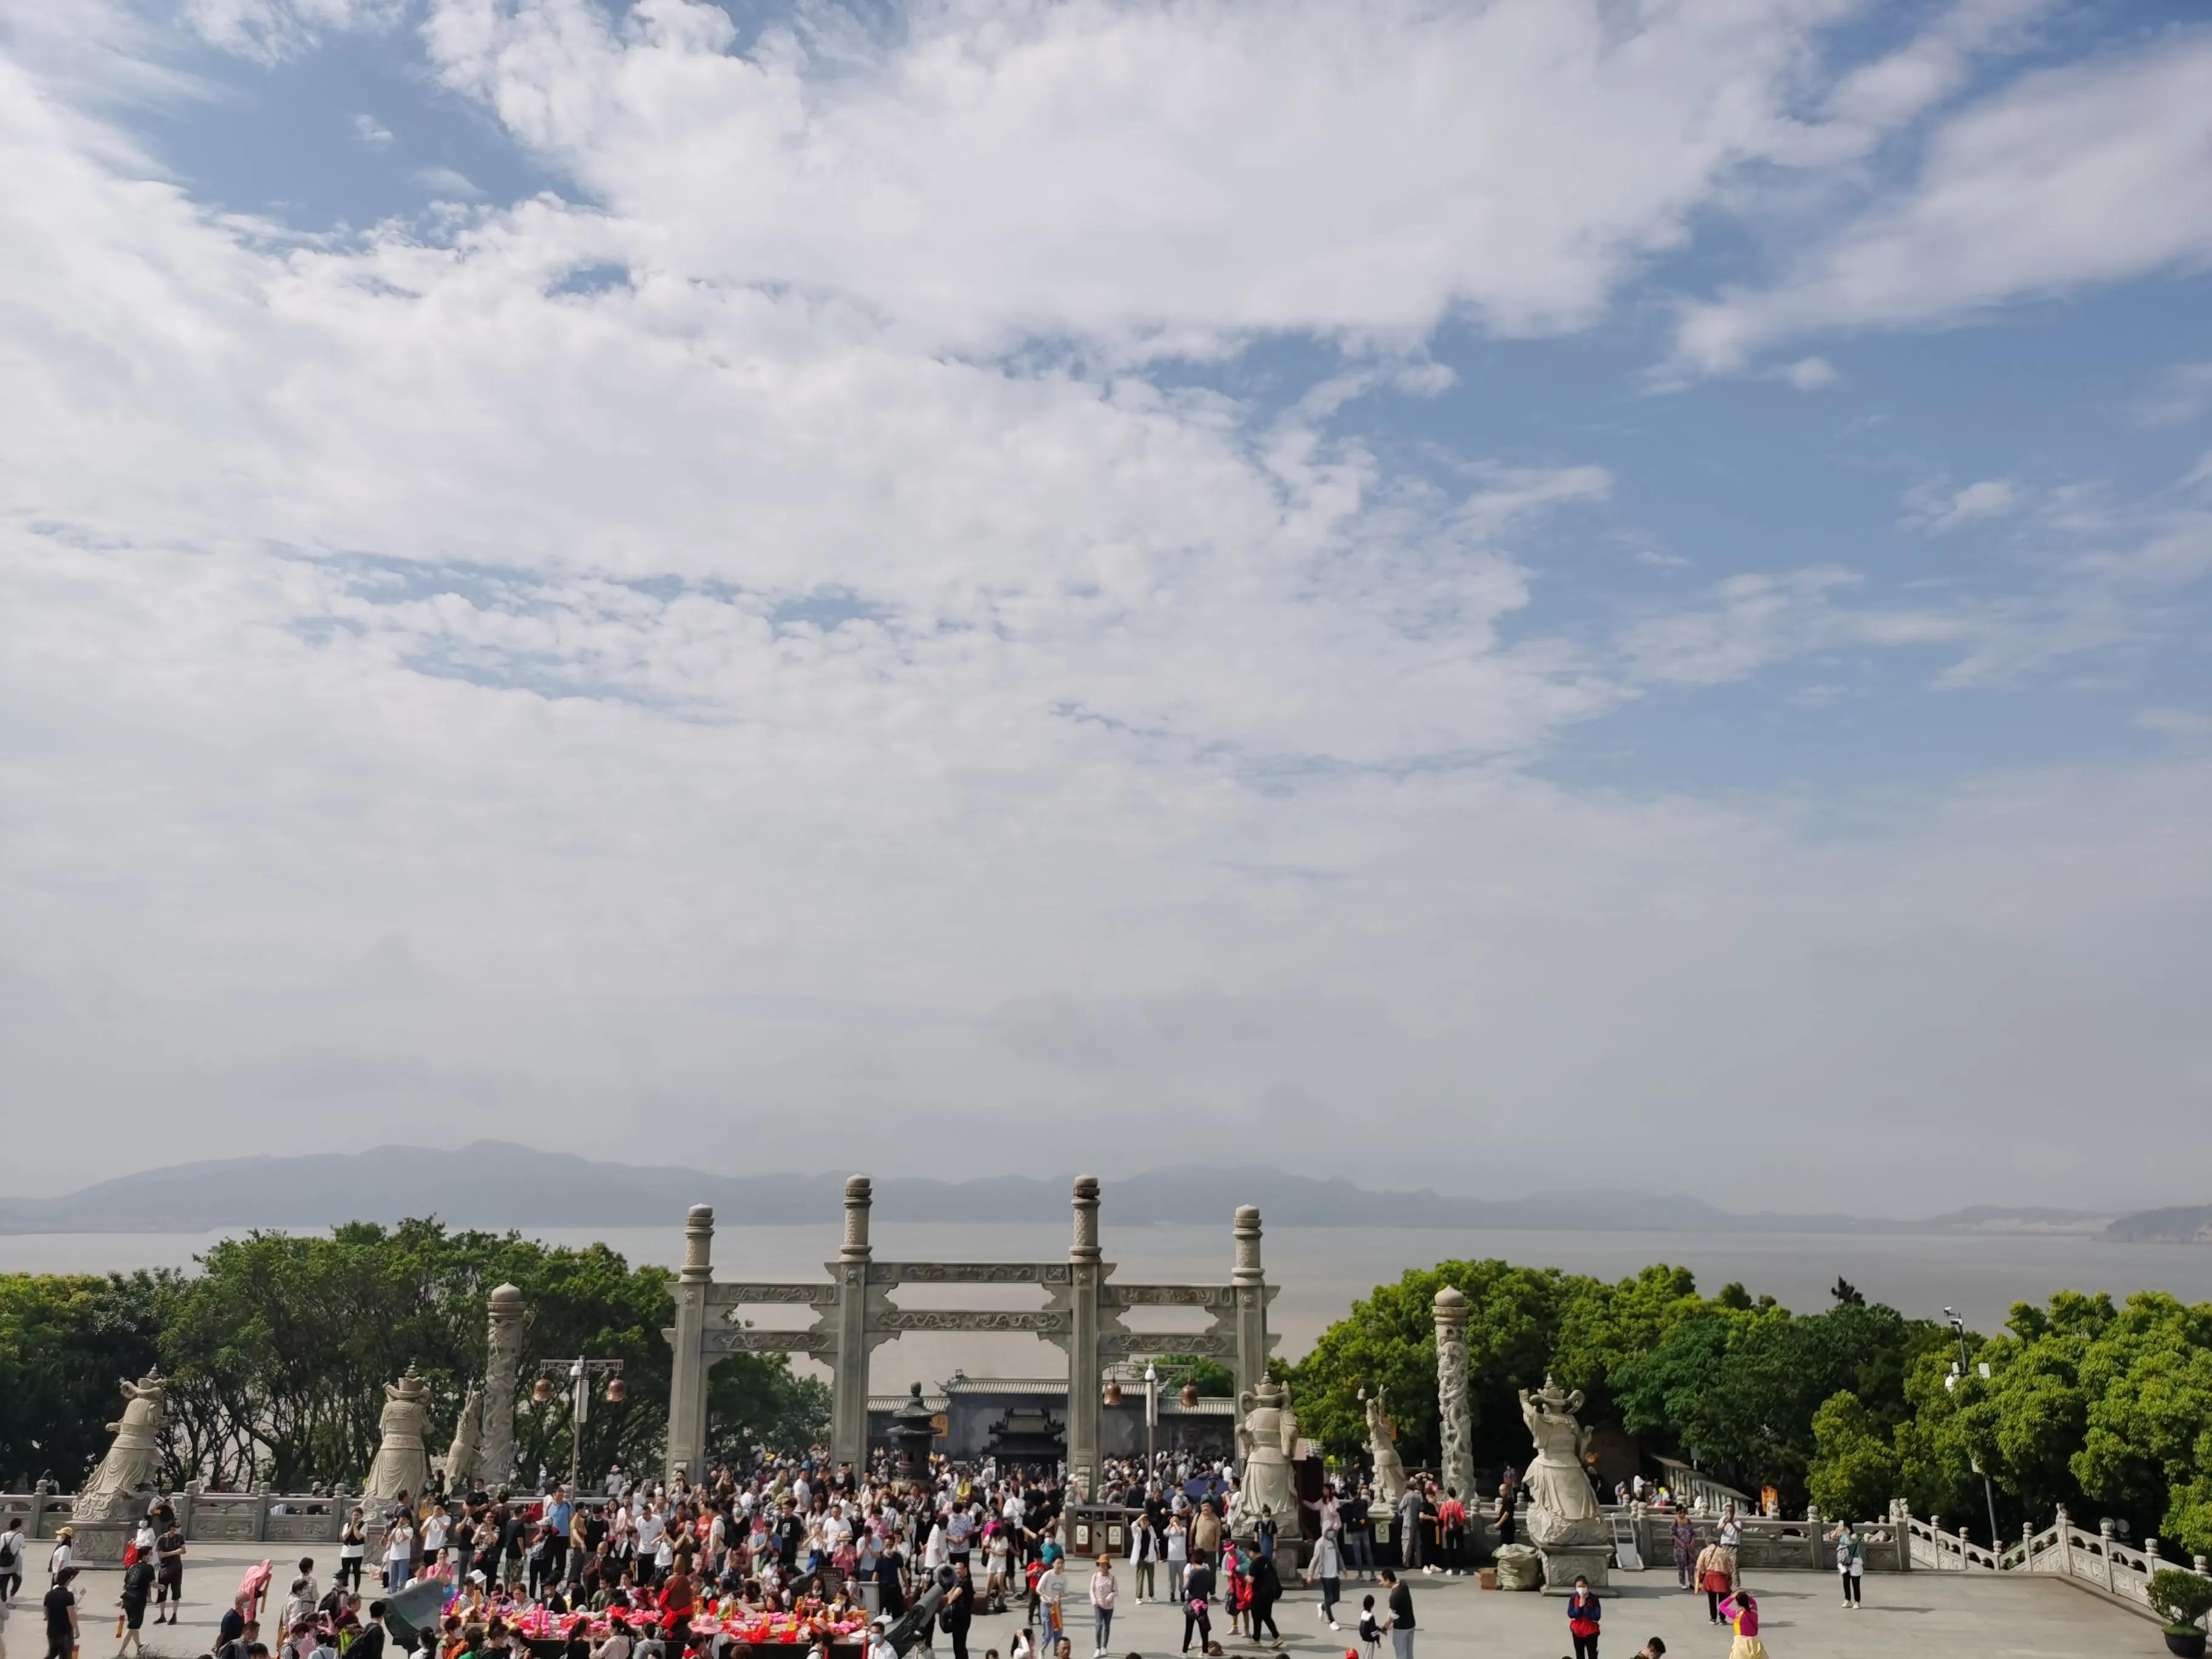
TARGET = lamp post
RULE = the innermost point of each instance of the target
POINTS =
(1151, 1419)
(1950, 1383)
(581, 1374)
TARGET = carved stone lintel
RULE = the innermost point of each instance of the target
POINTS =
(728, 1296)
(949, 1319)
(751, 1341)
(969, 1273)
(1130, 1345)
(1167, 1296)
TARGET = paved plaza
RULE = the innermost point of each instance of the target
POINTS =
(1953, 1615)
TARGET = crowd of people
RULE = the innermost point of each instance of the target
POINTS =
(791, 1552)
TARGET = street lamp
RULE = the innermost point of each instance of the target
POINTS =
(581, 1374)
(1151, 1419)
(1951, 1384)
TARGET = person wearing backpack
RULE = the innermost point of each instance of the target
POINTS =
(11, 1560)
(1851, 1561)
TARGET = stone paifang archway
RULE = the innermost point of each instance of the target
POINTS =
(855, 1313)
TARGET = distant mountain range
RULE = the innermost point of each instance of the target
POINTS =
(2188, 1223)
(494, 1184)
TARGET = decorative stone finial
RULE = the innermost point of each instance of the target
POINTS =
(859, 1194)
(507, 1298)
(1247, 1234)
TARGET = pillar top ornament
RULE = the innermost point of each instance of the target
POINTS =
(507, 1299)
(699, 1243)
(1451, 1306)
(1085, 1245)
(1247, 1234)
(859, 1194)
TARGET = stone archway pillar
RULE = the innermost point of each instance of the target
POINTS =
(689, 1364)
(1085, 1273)
(848, 1410)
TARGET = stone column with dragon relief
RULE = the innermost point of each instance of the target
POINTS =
(502, 1376)
(1454, 1414)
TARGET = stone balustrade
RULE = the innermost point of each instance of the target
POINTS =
(207, 1518)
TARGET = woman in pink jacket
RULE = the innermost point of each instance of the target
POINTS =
(1742, 1610)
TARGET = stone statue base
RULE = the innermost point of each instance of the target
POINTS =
(1520, 1568)
(1563, 1566)
(103, 1542)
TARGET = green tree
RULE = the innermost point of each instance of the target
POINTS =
(1515, 1317)
(1853, 1472)
(280, 1346)
(66, 1340)
(2146, 1441)
(1210, 1377)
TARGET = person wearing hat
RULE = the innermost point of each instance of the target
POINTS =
(65, 1555)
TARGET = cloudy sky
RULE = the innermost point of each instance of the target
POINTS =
(1510, 595)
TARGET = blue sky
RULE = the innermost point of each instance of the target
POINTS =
(1499, 572)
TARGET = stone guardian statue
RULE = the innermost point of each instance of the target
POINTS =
(461, 1455)
(121, 1486)
(1266, 1445)
(1563, 1509)
(402, 1464)
(1382, 1447)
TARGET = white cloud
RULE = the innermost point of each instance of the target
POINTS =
(1936, 507)
(2176, 722)
(2092, 174)
(448, 182)
(1887, 92)
(371, 132)
(2183, 393)
(271, 31)
(616, 665)
(1136, 173)
(1810, 373)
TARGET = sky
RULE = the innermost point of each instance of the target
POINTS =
(1510, 596)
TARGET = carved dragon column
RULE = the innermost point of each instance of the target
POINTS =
(1251, 1287)
(687, 1373)
(502, 1369)
(1454, 1415)
(849, 1411)
(1083, 1274)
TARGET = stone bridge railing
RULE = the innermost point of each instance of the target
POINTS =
(2096, 1560)
(1762, 1542)
(207, 1518)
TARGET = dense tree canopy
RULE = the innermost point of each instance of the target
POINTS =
(279, 1348)
(64, 1341)
(1732, 1383)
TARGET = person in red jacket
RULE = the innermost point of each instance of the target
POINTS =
(1451, 1531)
